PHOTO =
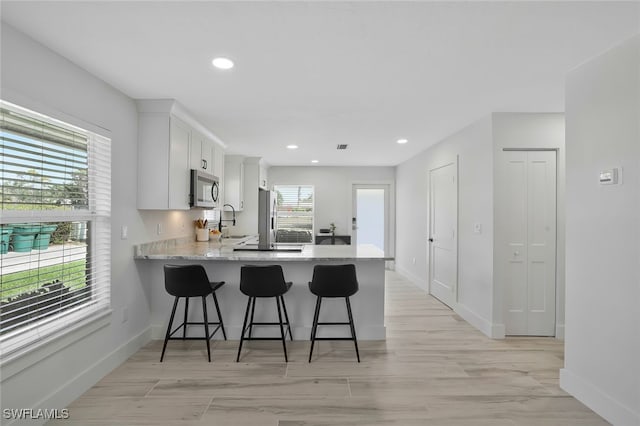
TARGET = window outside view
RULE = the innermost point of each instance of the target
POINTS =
(294, 222)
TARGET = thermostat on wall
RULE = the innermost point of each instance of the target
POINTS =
(609, 177)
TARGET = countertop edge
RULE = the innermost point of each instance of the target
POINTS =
(254, 259)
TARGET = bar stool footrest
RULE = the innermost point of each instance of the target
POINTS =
(335, 338)
(219, 325)
(263, 338)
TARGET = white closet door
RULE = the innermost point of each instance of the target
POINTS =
(443, 239)
(530, 231)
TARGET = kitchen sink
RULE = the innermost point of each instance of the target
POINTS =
(236, 236)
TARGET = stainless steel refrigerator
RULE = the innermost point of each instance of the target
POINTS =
(267, 216)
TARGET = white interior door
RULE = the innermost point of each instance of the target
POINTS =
(443, 233)
(529, 257)
(370, 221)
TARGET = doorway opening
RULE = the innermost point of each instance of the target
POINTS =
(371, 216)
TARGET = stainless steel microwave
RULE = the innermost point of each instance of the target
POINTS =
(205, 189)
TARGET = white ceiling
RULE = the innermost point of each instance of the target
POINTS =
(322, 73)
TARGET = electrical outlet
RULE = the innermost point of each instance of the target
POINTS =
(159, 229)
(125, 314)
(124, 232)
(477, 228)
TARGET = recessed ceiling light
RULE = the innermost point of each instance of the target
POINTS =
(222, 63)
(314, 161)
(402, 141)
(292, 146)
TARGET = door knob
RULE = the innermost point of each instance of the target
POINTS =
(430, 240)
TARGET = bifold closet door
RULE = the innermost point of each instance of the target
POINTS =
(529, 251)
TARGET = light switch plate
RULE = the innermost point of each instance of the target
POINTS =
(611, 176)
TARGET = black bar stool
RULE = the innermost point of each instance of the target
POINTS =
(333, 281)
(264, 281)
(191, 281)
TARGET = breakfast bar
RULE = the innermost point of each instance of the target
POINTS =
(223, 261)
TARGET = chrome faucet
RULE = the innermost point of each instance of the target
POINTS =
(233, 220)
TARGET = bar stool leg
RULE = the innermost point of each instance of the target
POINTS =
(314, 327)
(353, 328)
(215, 301)
(206, 326)
(253, 309)
(166, 338)
(286, 316)
(284, 344)
(186, 310)
(244, 326)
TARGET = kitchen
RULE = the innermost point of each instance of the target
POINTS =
(56, 80)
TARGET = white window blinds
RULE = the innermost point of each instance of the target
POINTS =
(55, 193)
(294, 223)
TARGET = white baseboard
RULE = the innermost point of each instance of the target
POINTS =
(413, 278)
(591, 396)
(560, 331)
(498, 331)
(74, 388)
(495, 331)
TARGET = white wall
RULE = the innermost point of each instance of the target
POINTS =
(35, 77)
(602, 349)
(333, 190)
(473, 146)
(526, 130)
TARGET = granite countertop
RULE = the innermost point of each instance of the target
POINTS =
(188, 249)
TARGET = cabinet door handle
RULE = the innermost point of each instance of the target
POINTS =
(214, 192)
(205, 164)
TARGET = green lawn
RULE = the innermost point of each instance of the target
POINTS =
(72, 274)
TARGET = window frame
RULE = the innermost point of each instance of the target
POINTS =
(71, 324)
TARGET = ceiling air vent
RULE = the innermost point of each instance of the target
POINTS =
(342, 146)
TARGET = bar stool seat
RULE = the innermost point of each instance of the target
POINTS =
(331, 281)
(264, 282)
(191, 281)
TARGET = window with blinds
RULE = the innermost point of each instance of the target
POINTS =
(294, 221)
(55, 190)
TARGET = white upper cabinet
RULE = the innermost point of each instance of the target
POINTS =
(234, 182)
(170, 144)
(163, 162)
(202, 153)
(179, 176)
(218, 166)
(263, 179)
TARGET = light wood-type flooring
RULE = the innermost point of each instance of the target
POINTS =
(433, 369)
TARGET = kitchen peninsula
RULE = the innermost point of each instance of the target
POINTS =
(222, 263)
